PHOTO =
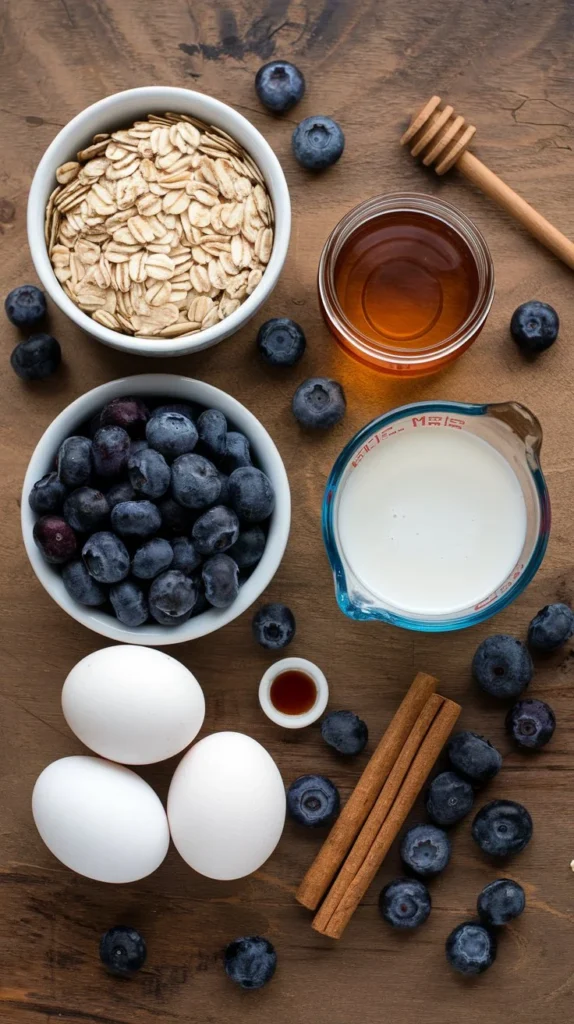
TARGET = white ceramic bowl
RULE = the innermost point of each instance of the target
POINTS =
(119, 110)
(267, 456)
(296, 665)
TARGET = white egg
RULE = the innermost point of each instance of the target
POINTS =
(133, 704)
(100, 819)
(226, 806)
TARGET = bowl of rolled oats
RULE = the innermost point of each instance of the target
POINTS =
(159, 221)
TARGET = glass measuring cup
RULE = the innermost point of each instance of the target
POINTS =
(515, 433)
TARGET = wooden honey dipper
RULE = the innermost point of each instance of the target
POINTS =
(441, 137)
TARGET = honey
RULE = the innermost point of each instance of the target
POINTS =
(293, 692)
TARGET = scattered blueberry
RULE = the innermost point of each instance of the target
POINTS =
(279, 85)
(106, 557)
(318, 142)
(75, 461)
(425, 849)
(313, 800)
(273, 626)
(122, 950)
(81, 586)
(473, 757)
(252, 494)
(47, 495)
(281, 341)
(502, 827)
(471, 948)
(250, 962)
(502, 666)
(149, 473)
(319, 403)
(175, 519)
(136, 518)
(129, 603)
(186, 557)
(55, 538)
(531, 723)
(130, 413)
(110, 451)
(500, 902)
(449, 799)
(171, 434)
(212, 432)
(551, 628)
(86, 509)
(249, 547)
(154, 556)
(220, 579)
(237, 452)
(195, 481)
(122, 491)
(534, 327)
(405, 903)
(215, 531)
(25, 306)
(345, 732)
(36, 358)
(171, 598)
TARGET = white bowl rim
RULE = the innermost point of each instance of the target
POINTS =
(294, 721)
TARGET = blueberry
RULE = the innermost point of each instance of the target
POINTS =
(171, 434)
(249, 547)
(55, 538)
(502, 828)
(175, 519)
(318, 142)
(250, 962)
(473, 757)
(531, 723)
(122, 491)
(47, 495)
(220, 579)
(471, 948)
(534, 327)
(313, 800)
(154, 556)
(281, 341)
(139, 445)
(502, 666)
(319, 403)
(252, 494)
(237, 452)
(195, 481)
(110, 451)
(149, 473)
(551, 628)
(273, 626)
(345, 732)
(36, 358)
(181, 408)
(171, 598)
(186, 557)
(130, 413)
(425, 850)
(75, 461)
(81, 586)
(279, 85)
(106, 557)
(500, 902)
(405, 903)
(25, 306)
(202, 604)
(212, 432)
(215, 531)
(449, 799)
(129, 603)
(224, 498)
(86, 509)
(122, 950)
(136, 518)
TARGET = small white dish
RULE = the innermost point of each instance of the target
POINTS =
(294, 665)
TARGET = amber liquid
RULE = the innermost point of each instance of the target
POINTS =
(406, 280)
(293, 692)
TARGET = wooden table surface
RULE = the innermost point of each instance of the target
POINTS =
(508, 67)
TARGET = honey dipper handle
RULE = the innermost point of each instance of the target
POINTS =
(534, 222)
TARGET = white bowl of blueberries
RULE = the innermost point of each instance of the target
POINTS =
(155, 509)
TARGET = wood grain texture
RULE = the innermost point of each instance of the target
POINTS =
(508, 66)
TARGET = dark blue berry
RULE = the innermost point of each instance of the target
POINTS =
(149, 473)
(534, 327)
(81, 586)
(171, 433)
(252, 494)
(502, 666)
(405, 903)
(471, 948)
(279, 85)
(122, 950)
(249, 547)
(202, 604)
(195, 481)
(502, 828)
(130, 413)
(500, 902)
(36, 358)
(110, 451)
(313, 800)
(25, 306)
(531, 723)
(129, 603)
(237, 452)
(122, 491)
(47, 495)
(345, 732)
(75, 461)
(182, 408)
(212, 432)
(186, 557)
(216, 530)
(250, 962)
(473, 757)
(273, 626)
(175, 520)
(449, 799)
(551, 628)
(281, 341)
(106, 557)
(425, 850)
(319, 403)
(139, 445)
(135, 518)
(224, 498)
(221, 580)
(154, 556)
(318, 142)
(171, 598)
(86, 509)
(56, 539)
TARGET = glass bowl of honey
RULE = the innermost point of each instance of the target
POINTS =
(406, 282)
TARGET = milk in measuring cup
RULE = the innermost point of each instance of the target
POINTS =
(431, 521)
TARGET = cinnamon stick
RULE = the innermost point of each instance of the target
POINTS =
(378, 814)
(354, 814)
(410, 789)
